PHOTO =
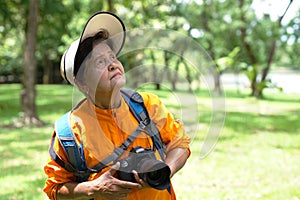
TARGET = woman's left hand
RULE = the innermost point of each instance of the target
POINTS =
(140, 180)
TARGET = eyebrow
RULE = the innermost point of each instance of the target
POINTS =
(99, 56)
(103, 54)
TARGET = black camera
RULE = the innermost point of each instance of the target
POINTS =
(155, 172)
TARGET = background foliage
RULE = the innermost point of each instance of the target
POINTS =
(218, 26)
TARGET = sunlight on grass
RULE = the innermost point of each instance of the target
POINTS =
(248, 167)
(256, 157)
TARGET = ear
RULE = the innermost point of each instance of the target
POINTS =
(81, 86)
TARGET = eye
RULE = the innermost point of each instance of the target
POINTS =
(101, 61)
(113, 56)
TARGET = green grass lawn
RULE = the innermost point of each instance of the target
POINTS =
(257, 155)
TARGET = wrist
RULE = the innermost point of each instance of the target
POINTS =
(74, 190)
(87, 189)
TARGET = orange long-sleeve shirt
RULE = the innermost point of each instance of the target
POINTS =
(103, 130)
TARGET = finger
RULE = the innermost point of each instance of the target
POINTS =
(138, 179)
(112, 171)
(136, 176)
(129, 185)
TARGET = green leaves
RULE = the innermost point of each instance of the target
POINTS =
(229, 31)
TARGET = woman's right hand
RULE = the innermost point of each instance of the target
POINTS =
(108, 187)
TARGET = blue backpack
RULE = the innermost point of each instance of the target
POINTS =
(75, 154)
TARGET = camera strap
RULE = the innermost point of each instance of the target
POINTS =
(137, 107)
(116, 154)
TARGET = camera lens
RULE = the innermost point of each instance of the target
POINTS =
(156, 173)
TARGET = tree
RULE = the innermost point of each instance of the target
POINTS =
(263, 56)
(111, 5)
(28, 93)
(220, 27)
(56, 17)
(212, 26)
(290, 44)
(270, 57)
(206, 16)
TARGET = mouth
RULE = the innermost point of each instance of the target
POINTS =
(116, 75)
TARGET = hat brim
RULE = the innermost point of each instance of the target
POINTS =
(109, 21)
(67, 62)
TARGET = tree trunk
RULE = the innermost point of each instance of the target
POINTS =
(271, 55)
(249, 50)
(175, 74)
(188, 75)
(111, 6)
(29, 65)
(258, 91)
(217, 80)
(47, 70)
(155, 78)
(166, 71)
(215, 70)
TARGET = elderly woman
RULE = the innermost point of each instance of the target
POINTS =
(103, 121)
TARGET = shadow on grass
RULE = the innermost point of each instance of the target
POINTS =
(248, 123)
(268, 96)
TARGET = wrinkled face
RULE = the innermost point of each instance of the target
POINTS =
(103, 71)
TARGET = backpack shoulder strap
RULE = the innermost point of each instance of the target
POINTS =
(74, 152)
(68, 141)
(137, 107)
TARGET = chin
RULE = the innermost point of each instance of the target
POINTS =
(121, 82)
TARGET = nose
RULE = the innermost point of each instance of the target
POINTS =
(112, 65)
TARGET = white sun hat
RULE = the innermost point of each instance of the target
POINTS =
(100, 20)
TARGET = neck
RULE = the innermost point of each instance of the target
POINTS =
(108, 100)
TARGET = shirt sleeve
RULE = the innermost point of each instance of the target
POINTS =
(171, 130)
(56, 174)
